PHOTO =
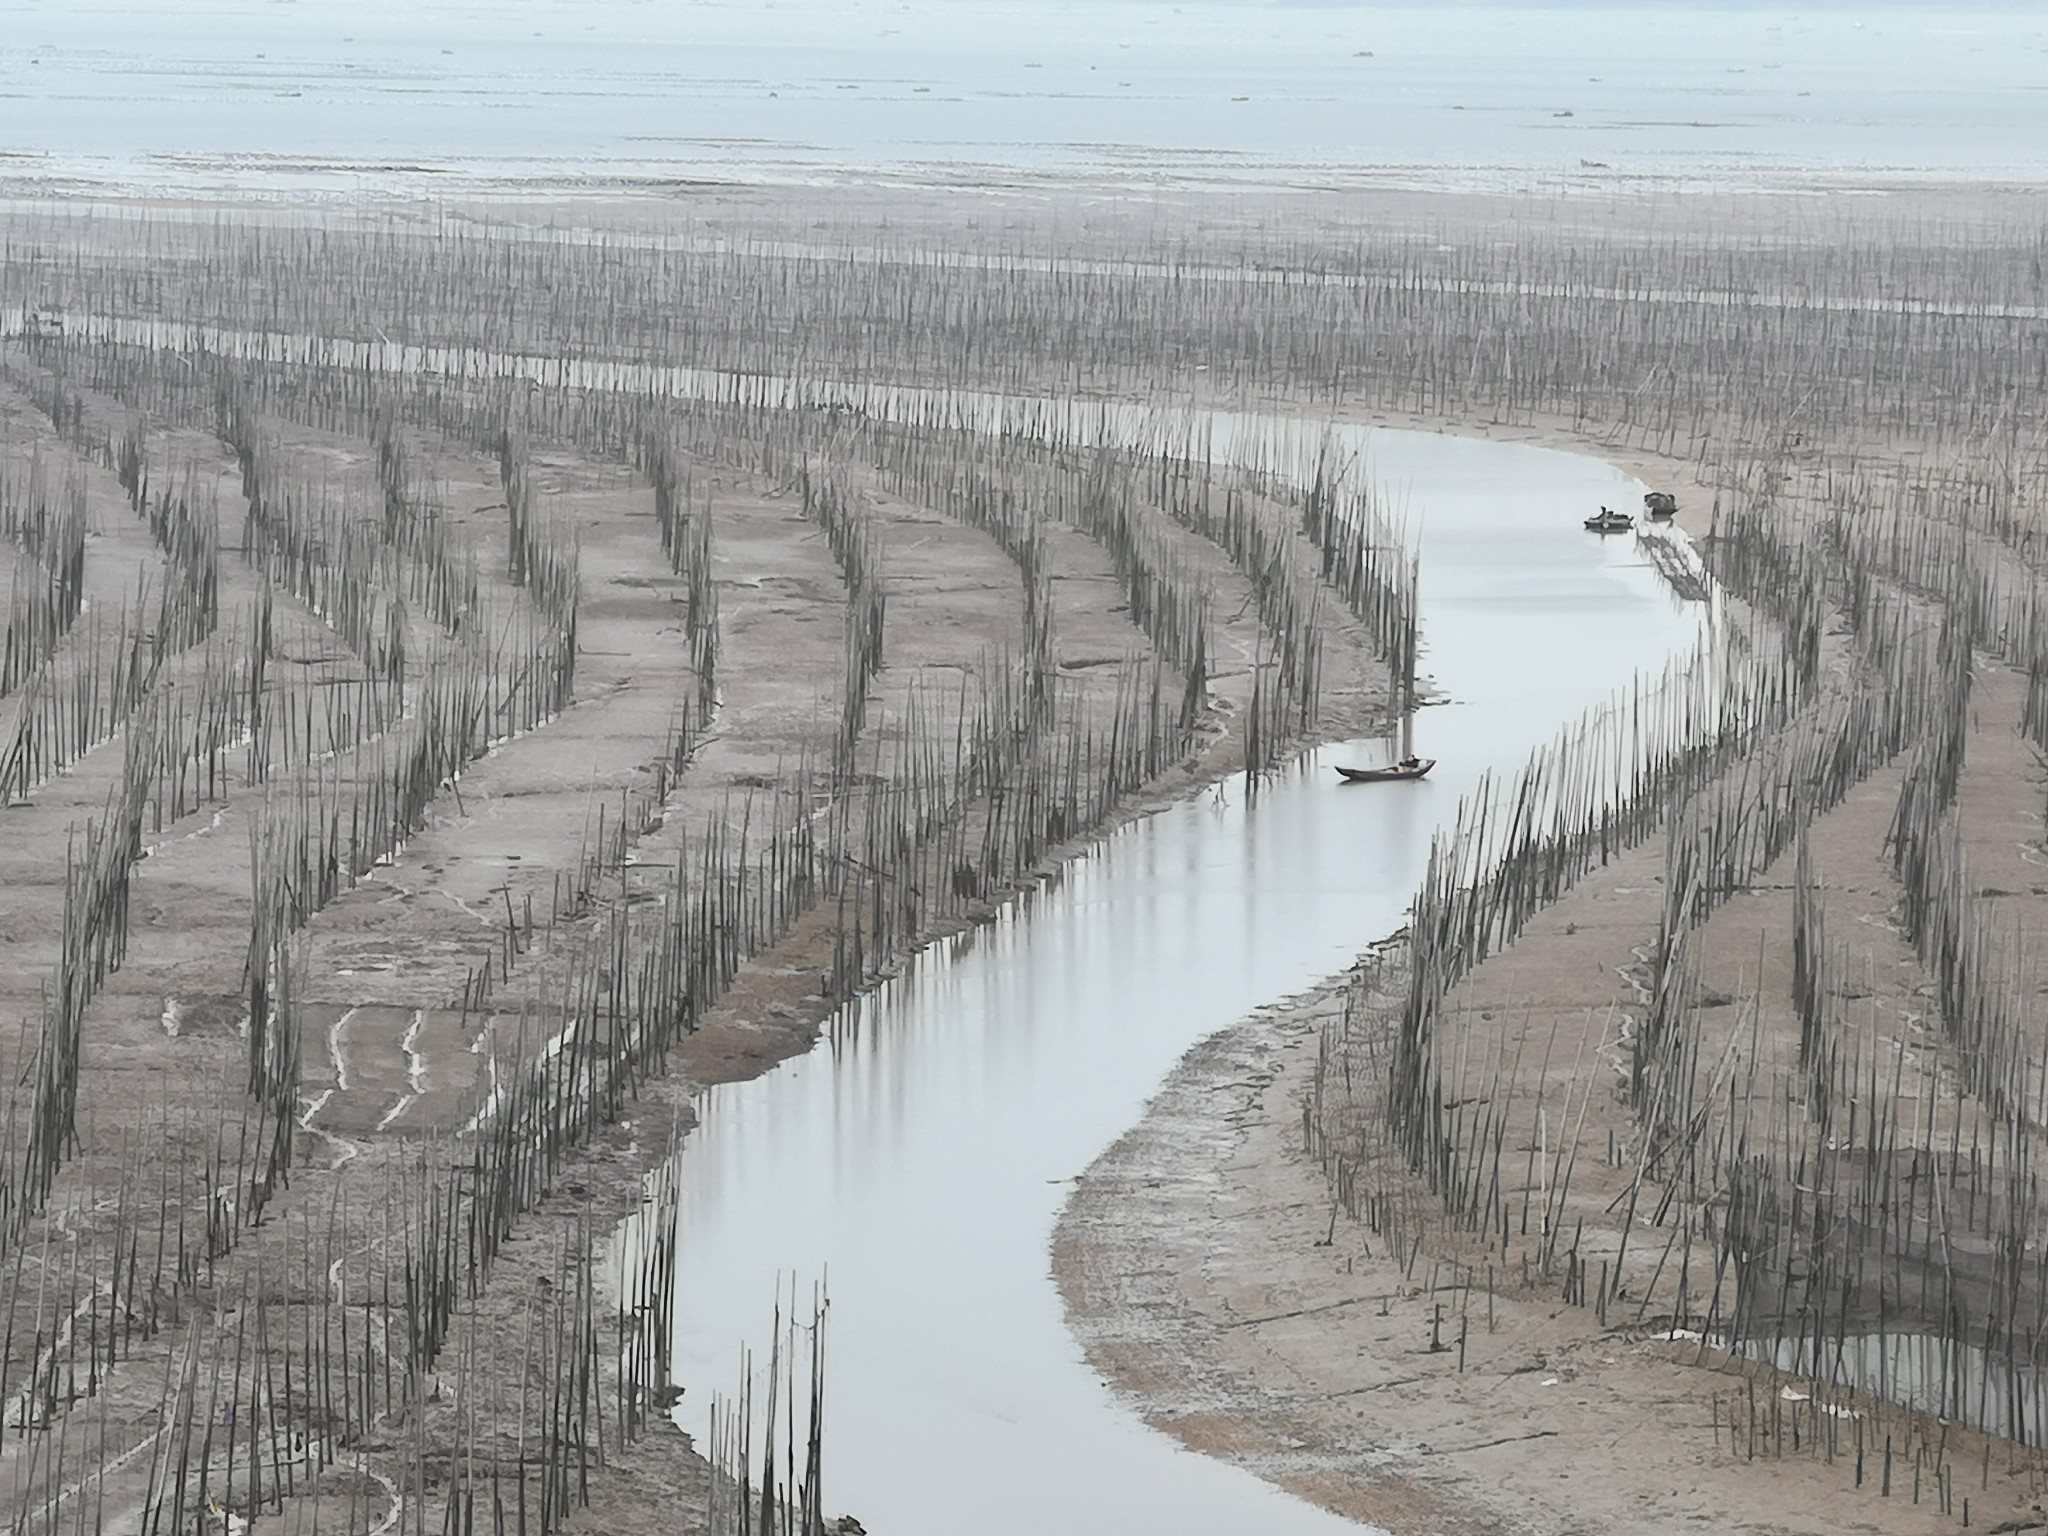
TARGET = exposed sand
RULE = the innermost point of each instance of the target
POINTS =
(1213, 1279)
(390, 1054)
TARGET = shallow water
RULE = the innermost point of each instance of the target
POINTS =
(257, 93)
(1934, 1376)
(921, 1163)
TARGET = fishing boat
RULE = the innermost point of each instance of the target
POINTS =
(1393, 773)
(1660, 506)
(1408, 765)
(1610, 521)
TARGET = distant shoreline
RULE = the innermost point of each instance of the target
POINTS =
(295, 179)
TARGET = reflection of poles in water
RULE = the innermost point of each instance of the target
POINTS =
(1403, 659)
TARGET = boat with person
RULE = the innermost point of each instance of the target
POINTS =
(1410, 767)
(1610, 521)
(1407, 766)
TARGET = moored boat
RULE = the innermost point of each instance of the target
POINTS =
(1660, 506)
(1407, 765)
(1407, 768)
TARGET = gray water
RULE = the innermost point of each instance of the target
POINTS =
(429, 96)
(920, 1163)
(1934, 1376)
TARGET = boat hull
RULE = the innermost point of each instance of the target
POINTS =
(1394, 775)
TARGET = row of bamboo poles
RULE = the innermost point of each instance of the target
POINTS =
(757, 1486)
(47, 584)
(1855, 1209)
(315, 1362)
(1678, 344)
(1675, 337)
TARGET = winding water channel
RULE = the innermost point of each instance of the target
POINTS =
(918, 1157)
(920, 1161)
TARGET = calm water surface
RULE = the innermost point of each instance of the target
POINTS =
(921, 1163)
(293, 94)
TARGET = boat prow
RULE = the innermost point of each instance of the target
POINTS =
(1411, 768)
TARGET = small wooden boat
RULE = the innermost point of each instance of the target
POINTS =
(1610, 521)
(1660, 506)
(1407, 765)
(1407, 768)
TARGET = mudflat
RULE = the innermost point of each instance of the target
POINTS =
(416, 785)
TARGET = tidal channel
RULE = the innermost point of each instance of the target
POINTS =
(916, 1159)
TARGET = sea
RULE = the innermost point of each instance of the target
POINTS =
(297, 96)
